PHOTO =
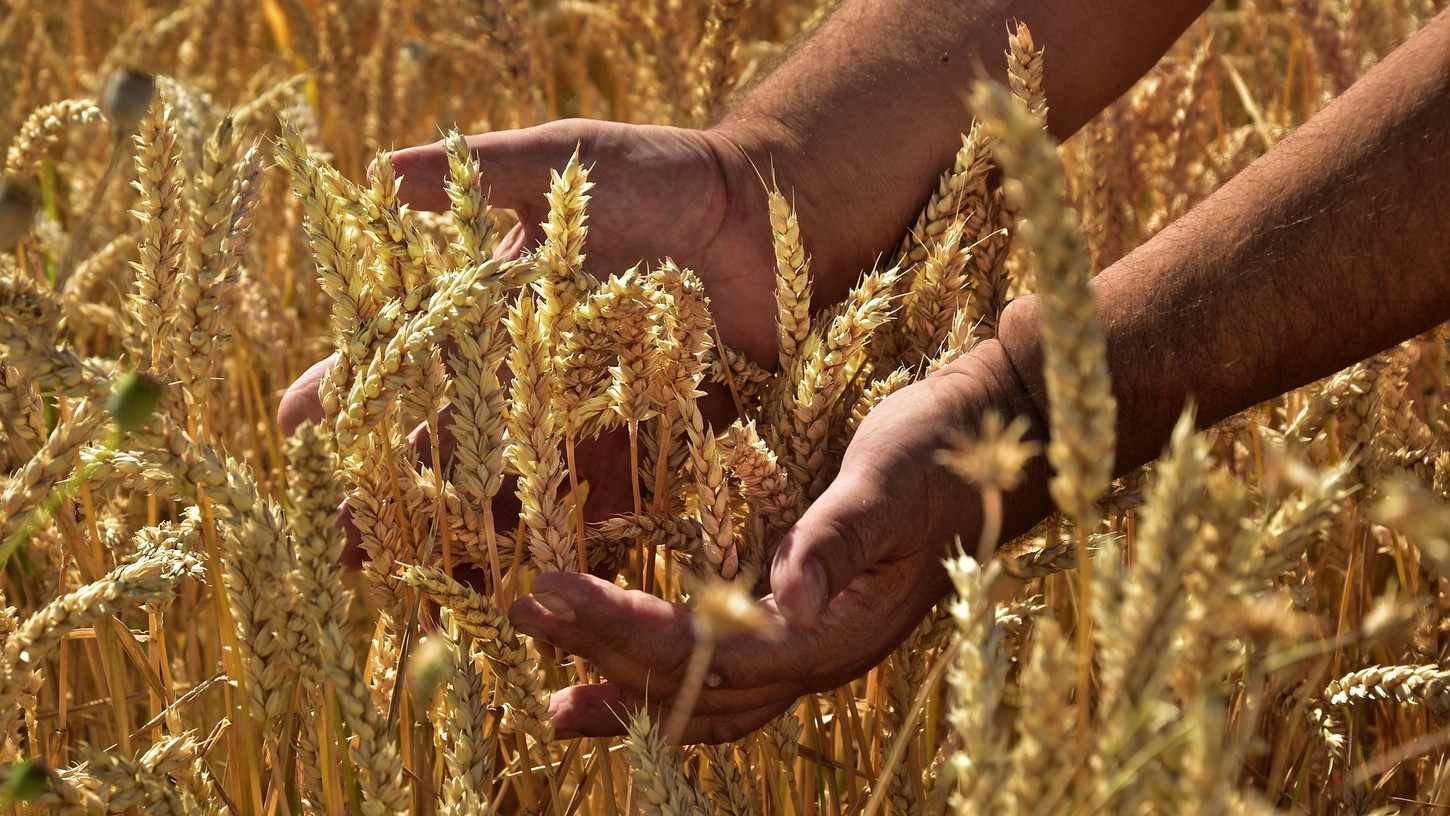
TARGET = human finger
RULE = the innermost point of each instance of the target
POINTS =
(629, 635)
(353, 554)
(644, 643)
(845, 531)
(515, 165)
(605, 709)
(301, 402)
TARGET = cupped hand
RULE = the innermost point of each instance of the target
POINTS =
(850, 581)
(863, 564)
(690, 195)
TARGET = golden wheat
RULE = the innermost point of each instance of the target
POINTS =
(179, 634)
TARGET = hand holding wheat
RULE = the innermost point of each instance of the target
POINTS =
(178, 596)
(689, 195)
(852, 578)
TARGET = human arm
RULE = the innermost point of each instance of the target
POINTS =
(1325, 251)
(696, 196)
(864, 115)
(1328, 249)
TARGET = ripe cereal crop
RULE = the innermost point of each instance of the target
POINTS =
(198, 202)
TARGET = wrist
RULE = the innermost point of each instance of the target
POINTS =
(991, 377)
(1019, 340)
(756, 153)
(763, 150)
(753, 154)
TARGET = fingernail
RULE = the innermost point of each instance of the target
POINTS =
(556, 604)
(814, 580)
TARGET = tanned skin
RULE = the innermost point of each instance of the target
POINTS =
(1330, 248)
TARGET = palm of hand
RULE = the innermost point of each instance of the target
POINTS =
(875, 536)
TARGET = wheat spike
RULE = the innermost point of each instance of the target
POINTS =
(516, 673)
(978, 672)
(47, 467)
(533, 448)
(227, 196)
(659, 776)
(565, 283)
(163, 252)
(139, 582)
(469, 203)
(323, 599)
(792, 281)
(42, 131)
(1024, 71)
(1414, 685)
(460, 721)
(724, 785)
(1081, 407)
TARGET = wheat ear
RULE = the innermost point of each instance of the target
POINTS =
(324, 600)
(792, 281)
(163, 251)
(1024, 71)
(460, 723)
(533, 447)
(1081, 407)
(42, 130)
(660, 782)
(517, 673)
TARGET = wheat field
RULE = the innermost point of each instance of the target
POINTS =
(187, 223)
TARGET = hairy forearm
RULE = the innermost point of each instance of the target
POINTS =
(1330, 248)
(862, 118)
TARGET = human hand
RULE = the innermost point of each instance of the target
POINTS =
(851, 579)
(690, 195)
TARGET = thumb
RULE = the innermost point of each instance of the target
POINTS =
(843, 533)
(515, 167)
(302, 402)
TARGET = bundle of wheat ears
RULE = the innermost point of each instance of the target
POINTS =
(1251, 624)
